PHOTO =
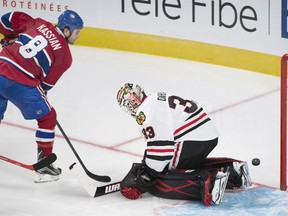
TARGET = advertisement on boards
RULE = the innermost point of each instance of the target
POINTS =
(256, 25)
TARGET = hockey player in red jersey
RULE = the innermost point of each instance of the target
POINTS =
(35, 54)
(180, 136)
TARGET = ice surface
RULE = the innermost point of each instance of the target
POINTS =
(244, 105)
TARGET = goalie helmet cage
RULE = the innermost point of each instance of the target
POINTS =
(283, 122)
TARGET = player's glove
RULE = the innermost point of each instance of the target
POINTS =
(137, 181)
(8, 40)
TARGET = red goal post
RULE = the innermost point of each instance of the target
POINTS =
(283, 122)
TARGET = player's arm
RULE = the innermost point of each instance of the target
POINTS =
(12, 24)
(56, 71)
(51, 79)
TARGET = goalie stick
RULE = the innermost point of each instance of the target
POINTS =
(94, 190)
(91, 175)
(39, 165)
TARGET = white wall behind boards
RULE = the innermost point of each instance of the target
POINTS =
(256, 25)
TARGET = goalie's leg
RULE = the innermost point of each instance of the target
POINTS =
(219, 186)
(242, 171)
(186, 185)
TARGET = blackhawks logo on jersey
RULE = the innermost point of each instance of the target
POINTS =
(140, 118)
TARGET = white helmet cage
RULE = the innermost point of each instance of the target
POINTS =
(130, 97)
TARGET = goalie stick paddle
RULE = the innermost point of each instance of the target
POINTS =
(93, 190)
(34, 167)
(91, 175)
(107, 189)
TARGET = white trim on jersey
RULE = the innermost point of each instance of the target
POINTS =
(175, 160)
(17, 66)
(156, 165)
(44, 97)
(10, 17)
(160, 150)
(196, 121)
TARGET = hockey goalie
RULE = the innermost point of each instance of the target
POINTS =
(180, 136)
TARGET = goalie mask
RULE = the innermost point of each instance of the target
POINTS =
(130, 97)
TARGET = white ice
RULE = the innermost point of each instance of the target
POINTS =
(244, 106)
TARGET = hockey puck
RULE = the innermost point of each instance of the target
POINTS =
(256, 161)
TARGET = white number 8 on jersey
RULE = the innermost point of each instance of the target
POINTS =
(34, 46)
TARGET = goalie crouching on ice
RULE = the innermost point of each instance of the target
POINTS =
(179, 135)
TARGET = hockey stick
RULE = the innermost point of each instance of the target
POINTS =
(39, 165)
(91, 175)
(94, 190)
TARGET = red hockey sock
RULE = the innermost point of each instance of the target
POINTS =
(45, 133)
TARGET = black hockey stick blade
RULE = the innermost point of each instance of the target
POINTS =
(91, 175)
(97, 177)
(45, 162)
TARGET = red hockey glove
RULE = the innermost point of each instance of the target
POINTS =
(131, 193)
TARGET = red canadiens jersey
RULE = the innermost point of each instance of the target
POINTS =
(39, 56)
(166, 120)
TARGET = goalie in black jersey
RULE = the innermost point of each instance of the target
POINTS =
(180, 136)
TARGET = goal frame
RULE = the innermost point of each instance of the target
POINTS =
(283, 123)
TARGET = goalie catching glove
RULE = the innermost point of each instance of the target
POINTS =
(139, 180)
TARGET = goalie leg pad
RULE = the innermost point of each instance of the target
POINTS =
(220, 186)
(185, 185)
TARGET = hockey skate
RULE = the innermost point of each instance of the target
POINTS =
(242, 170)
(219, 186)
(47, 174)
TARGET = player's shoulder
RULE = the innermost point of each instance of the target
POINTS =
(19, 15)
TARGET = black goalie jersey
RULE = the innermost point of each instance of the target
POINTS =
(166, 121)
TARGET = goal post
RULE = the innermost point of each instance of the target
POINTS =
(283, 122)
